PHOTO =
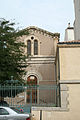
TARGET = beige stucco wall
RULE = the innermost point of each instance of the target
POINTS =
(74, 98)
(69, 61)
(73, 111)
(69, 58)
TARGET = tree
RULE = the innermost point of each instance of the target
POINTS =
(12, 57)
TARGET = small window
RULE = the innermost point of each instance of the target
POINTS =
(3, 111)
(32, 37)
(35, 47)
(28, 47)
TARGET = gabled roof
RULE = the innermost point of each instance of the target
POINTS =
(42, 30)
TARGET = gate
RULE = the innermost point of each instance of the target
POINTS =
(24, 97)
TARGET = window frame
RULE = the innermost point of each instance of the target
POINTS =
(4, 112)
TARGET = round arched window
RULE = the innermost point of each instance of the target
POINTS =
(28, 47)
(32, 80)
(35, 47)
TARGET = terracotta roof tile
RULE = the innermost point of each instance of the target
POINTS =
(70, 42)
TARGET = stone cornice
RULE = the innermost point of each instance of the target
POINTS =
(41, 60)
(49, 109)
(42, 56)
(57, 35)
(69, 81)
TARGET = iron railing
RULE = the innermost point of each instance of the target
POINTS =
(39, 95)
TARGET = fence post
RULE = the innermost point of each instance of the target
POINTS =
(40, 114)
(25, 97)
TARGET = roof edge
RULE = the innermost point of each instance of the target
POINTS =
(70, 42)
(42, 30)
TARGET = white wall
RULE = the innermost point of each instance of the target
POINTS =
(69, 35)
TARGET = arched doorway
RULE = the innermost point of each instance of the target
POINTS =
(32, 89)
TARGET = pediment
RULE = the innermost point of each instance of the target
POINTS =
(33, 29)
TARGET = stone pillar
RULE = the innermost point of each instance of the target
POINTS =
(64, 96)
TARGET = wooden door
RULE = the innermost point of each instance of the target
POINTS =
(32, 89)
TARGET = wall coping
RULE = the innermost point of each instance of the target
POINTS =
(49, 109)
(69, 81)
(68, 45)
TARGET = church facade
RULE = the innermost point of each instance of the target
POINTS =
(41, 51)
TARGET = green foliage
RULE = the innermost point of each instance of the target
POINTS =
(12, 58)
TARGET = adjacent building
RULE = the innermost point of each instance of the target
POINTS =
(68, 78)
(69, 33)
(77, 19)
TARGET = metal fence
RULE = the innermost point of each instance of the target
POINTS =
(23, 96)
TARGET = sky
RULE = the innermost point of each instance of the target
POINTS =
(50, 15)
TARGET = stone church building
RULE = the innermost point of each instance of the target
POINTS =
(41, 51)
